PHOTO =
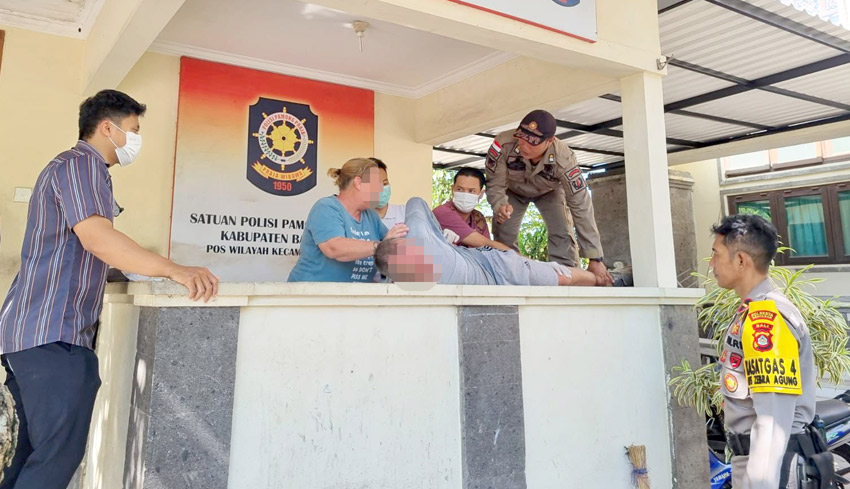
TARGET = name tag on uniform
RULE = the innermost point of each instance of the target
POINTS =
(771, 353)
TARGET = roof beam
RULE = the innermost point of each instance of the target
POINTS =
(775, 130)
(724, 120)
(767, 17)
(120, 36)
(605, 131)
(454, 164)
(699, 115)
(743, 86)
(596, 151)
(459, 151)
(562, 136)
(670, 5)
(763, 83)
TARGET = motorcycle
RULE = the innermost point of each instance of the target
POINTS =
(833, 413)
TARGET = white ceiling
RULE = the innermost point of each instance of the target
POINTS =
(315, 42)
(72, 18)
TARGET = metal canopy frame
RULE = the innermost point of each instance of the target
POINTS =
(687, 106)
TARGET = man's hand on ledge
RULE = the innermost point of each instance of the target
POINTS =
(603, 278)
(199, 280)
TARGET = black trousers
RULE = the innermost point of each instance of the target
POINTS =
(54, 387)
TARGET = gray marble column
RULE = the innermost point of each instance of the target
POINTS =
(687, 436)
(182, 401)
(491, 398)
(609, 200)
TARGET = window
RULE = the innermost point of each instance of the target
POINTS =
(756, 207)
(836, 147)
(844, 211)
(813, 221)
(806, 226)
(799, 152)
(759, 160)
(786, 157)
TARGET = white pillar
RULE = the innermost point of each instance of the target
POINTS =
(647, 185)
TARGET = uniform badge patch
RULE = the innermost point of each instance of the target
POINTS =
(495, 150)
(735, 360)
(730, 382)
(493, 155)
(762, 337)
(736, 328)
(771, 353)
(576, 179)
(516, 164)
(762, 324)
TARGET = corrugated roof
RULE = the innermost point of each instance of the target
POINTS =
(711, 36)
(692, 129)
(590, 111)
(832, 84)
(802, 17)
(766, 108)
(718, 48)
(680, 84)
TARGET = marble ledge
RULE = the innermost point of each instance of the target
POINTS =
(270, 294)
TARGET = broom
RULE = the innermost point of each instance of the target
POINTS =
(637, 457)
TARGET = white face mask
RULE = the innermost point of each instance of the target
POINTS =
(130, 151)
(464, 201)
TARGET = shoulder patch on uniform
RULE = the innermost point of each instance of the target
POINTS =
(493, 155)
(576, 179)
(495, 150)
(771, 354)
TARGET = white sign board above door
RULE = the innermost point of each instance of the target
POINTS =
(575, 18)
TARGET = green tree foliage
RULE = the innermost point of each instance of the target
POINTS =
(533, 238)
(700, 387)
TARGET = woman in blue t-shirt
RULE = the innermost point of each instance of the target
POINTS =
(342, 231)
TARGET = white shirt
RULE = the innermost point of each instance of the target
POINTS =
(395, 215)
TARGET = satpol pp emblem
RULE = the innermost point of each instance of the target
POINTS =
(282, 147)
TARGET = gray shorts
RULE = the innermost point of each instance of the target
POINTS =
(512, 269)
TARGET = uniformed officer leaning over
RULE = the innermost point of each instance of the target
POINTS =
(531, 165)
(767, 366)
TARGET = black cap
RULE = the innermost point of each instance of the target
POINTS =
(536, 127)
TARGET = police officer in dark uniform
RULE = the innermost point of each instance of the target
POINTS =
(531, 165)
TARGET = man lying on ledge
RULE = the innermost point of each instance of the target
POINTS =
(424, 256)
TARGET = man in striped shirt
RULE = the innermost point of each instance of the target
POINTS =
(49, 319)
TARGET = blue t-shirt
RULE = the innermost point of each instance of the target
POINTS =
(329, 219)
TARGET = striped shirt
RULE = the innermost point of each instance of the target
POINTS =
(58, 292)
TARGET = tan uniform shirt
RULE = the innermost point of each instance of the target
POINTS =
(557, 171)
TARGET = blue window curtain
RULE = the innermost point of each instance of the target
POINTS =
(806, 226)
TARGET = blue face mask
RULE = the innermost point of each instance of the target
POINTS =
(384, 197)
